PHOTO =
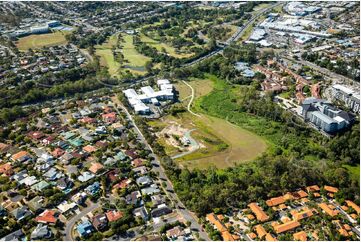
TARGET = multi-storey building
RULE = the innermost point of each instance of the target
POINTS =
(348, 96)
(325, 116)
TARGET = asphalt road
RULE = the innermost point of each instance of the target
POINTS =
(169, 190)
(70, 224)
(187, 215)
(332, 75)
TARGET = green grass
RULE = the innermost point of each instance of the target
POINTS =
(354, 171)
(159, 46)
(222, 143)
(230, 145)
(261, 6)
(278, 9)
(247, 33)
(134, 61)
(36, 41)
(104, 51)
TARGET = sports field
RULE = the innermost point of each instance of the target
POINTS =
(104, 51)
(35, 41)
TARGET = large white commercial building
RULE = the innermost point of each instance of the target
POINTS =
(149, 96)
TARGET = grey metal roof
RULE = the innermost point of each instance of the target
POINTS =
(323, 117)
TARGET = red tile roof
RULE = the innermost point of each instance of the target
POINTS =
(48, 216)
(313, 188)
(6, 168)
(353, 205)
(214, 220)
(258, 211)
(328, 210)
(114, 215)
(57, 152)
(275, 201)
(302, 236)
(331, 189)
(95, 167)
(19, 155)
(280, 228)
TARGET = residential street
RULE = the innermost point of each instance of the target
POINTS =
(187, 215)
(70, 224)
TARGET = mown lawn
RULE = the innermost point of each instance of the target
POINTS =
(159, 46)
(104, 51)
(36, 41)
(134, 61)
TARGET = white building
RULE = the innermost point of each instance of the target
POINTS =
(348, 96)
(149, 95)
(39, 29)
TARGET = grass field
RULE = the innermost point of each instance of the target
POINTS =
(222, 143)
(135, 61)
(104, 51)
(261, 6)
(354, 171)
(159, 46)
(201, 87)
(35, 41)
(241, 144)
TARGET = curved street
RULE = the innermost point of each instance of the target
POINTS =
(70, 224)
(193, 143)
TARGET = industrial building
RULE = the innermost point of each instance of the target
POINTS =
(325, 116)
(300, 9)
(257, 35)
(348, 96)
(53, 23)
(293, 25)
(149, 96)
(39, 29)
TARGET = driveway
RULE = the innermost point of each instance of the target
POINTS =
(70, 224)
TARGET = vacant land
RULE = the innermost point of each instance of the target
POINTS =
(222, 143)
(201, 88)
(238, 145)
(42, 40)
(162, 46)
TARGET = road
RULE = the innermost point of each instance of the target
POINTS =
(193, 143)
(169, 190)
(238, 34)
(190, 101)
(70, 224)
(331, 75)
(151, 227)
(351, 220)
